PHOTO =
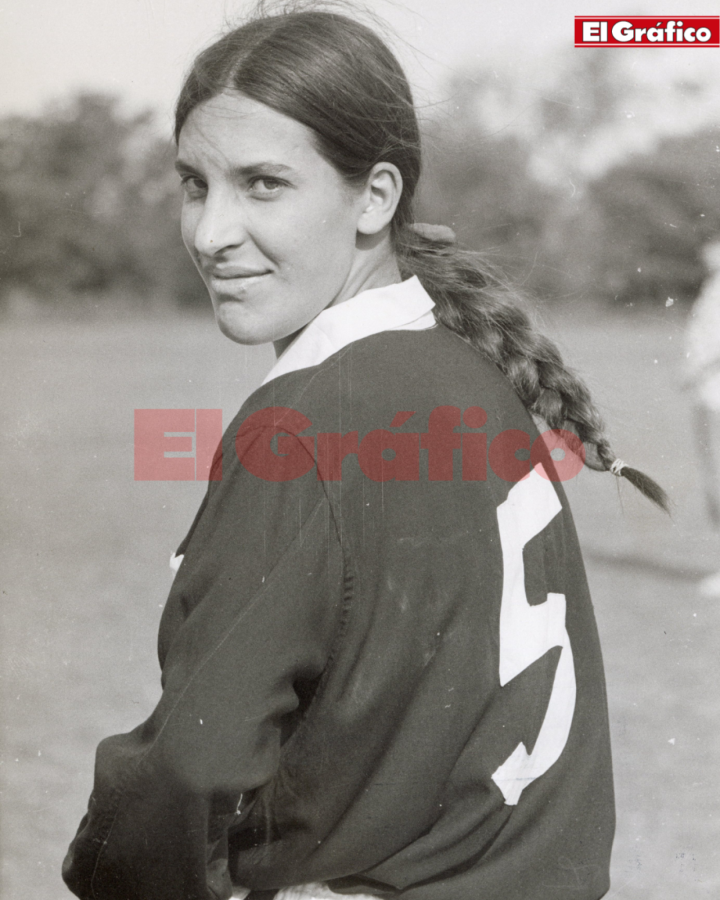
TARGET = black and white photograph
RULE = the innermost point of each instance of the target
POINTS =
(360, 450)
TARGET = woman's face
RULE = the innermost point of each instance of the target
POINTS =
(270, 224)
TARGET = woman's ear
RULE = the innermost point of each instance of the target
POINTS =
(381, 196)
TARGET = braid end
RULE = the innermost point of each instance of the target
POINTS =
(647, 486)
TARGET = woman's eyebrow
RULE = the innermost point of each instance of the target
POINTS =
(182, 167)
(262, 168)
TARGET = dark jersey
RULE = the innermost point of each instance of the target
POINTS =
(381, 668)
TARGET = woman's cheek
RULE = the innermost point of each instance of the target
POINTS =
(188, 224)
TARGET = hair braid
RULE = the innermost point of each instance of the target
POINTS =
(475, 303)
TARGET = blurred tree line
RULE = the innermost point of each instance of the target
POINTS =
(538, 180)
(534, 178)
(89, 208)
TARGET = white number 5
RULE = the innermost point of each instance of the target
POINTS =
(528, 632)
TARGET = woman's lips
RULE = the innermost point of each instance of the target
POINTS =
(229, 272)
(221, 279)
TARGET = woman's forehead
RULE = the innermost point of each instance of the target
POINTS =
(232, 127)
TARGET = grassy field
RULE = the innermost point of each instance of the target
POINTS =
(84, 577)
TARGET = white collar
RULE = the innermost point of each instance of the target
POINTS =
(396, 307)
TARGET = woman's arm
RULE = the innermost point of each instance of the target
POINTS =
(255, 609)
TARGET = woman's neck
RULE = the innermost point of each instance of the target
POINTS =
(366, 275)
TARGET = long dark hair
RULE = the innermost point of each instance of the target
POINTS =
(337, 77)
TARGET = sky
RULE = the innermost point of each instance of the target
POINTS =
(139, 49)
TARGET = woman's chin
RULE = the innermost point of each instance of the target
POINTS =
(238, 334)
(234, 324)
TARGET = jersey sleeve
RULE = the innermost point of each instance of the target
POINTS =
(250, 624)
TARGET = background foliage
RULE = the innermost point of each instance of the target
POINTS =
(539, 180)
(88, 206)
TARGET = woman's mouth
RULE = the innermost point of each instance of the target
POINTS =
(222, 278)
(224, 272)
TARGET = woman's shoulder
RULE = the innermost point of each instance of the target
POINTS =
(390, 372)
(392, 361)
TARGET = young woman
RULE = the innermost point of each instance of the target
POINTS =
(380, 665)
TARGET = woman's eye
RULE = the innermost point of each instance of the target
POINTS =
(265, 186)
(193, 186)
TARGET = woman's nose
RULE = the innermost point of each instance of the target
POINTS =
(220, 226)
